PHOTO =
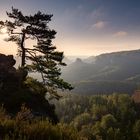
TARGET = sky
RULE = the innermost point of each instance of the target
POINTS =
(84, 27)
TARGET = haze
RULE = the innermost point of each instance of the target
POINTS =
(84, 27)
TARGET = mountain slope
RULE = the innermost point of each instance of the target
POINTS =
(108, 68)
(112, 66)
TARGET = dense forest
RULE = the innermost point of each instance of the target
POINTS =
(100, 117)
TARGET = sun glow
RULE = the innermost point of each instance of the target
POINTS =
(3, 31)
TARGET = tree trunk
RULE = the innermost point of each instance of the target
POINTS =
(23, 50)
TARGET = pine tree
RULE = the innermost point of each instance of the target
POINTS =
(44, 57)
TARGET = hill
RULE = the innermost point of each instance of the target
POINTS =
(118, 68)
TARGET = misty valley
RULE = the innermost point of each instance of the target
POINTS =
(117, 72)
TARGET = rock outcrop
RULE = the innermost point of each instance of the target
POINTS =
(7, 63)
(9, 76)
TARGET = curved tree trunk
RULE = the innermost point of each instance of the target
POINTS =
(23, 50)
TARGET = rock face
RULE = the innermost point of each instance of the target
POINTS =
(9, 76)
(7, 63)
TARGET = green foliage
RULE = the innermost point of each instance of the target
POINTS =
(81, 120)
(3, 114)
(112, 117)
(22, 127)
(35, 85)
(136, 130)
(108, 121)
(24, 114)
(32, 98)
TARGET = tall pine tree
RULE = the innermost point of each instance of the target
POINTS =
(43, 56)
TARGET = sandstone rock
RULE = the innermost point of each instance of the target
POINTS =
(6, 62)
(9, 77)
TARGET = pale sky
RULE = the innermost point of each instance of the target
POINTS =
(84, 27)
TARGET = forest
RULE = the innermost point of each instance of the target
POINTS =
(100, 117)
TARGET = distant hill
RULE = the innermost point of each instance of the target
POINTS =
(114, 67)
(75, 71)
(90, 59)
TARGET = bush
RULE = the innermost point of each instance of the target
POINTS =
(26, 127)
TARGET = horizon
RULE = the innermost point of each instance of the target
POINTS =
(74, 57)
(108, 26)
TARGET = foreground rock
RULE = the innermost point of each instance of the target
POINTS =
(8, 74)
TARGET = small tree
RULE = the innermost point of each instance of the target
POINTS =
(44, 57)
